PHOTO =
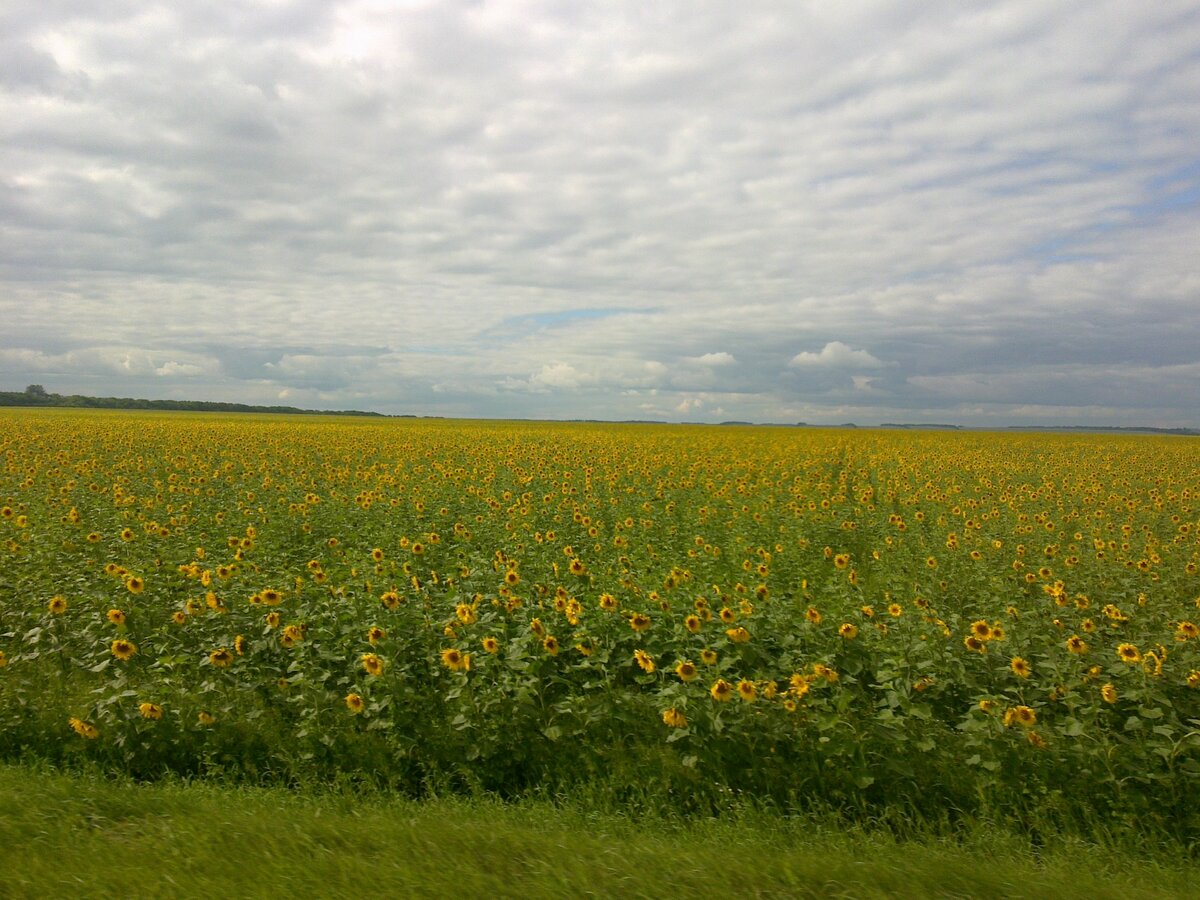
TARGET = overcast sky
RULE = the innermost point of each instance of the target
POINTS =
(973, 213)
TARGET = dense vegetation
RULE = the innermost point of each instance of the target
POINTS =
(884, 624)
(36, 395)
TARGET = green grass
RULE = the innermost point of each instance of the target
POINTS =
(90, 836)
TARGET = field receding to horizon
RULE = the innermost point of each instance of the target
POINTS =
(882, 624)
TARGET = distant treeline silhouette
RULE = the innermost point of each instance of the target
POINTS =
(36, 395)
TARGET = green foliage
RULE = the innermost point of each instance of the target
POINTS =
(36, 395)
(91, 836)
(948, 625)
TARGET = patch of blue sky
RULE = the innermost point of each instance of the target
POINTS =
(529, 323)
(1187, 174)
(1169, 201)
(1062, 248)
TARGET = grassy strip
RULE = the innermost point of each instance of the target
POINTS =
(89, 836)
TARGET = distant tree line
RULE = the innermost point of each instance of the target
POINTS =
(36, 395)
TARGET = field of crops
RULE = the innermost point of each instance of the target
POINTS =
(864, 619)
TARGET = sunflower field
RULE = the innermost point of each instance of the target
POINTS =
(867, 619)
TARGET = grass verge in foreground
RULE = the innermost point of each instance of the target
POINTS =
(88, 836)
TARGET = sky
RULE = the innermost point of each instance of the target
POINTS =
(980, 214)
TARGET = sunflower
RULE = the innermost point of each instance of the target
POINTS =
(1077, 645)
(239, 644)
(375, 634)
(608, 602)
(644, 659)
(974, 644)
(577, 567)
(686, 671)
(674, 718)
(57, 605)
(491, 645)
(692, 624)
(1021, 667)
(813, 615)
(728, 616)
(150, 711)
(1109, 693)
(115, 616)
(981, 630)
(639, 622)
(1021, 715)
(1128, 653)
(134, 584)
(205, 718)
(377, 554)
(271, 597)
(1186, 631)
(372, 664)
(83, 729)
(738, 635)
(272, 619)
(550, 643)
(123, 649)
(848, 631)
(747, 691)
(221, 658)
(722, 690)
(708, 657)
(354, 703)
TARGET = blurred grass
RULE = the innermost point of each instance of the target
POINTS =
(91, 836)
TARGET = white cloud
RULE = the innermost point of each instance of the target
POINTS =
(557, 375)
(713, 359)
(835, 354)
(172, 368)
(965, 189)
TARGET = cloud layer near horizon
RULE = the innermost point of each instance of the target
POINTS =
(817, 212)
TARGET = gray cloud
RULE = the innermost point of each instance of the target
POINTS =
(824, 212)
